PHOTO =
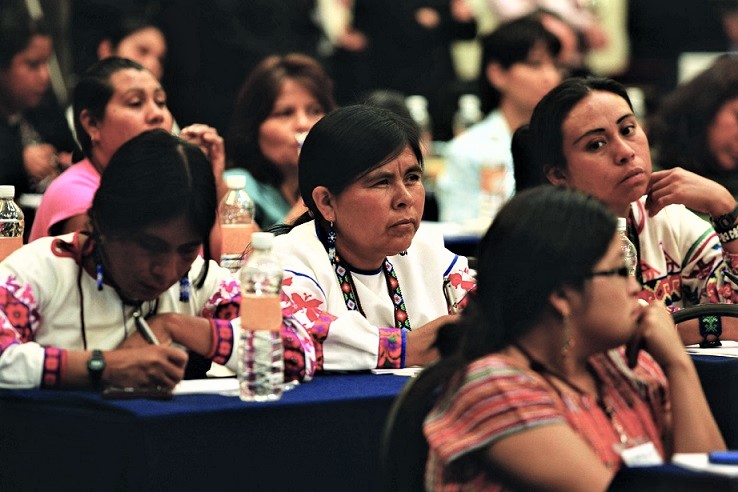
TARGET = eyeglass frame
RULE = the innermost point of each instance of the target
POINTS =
(621, 271)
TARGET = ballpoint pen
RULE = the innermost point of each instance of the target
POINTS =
(143, 327)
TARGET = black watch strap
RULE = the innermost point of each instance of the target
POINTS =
(95, 368)
(725, 222)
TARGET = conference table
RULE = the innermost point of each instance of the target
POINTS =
(323, 435)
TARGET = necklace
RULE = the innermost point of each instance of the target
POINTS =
(601, 399)
(153, 306)
(351, 297)
(633, 236)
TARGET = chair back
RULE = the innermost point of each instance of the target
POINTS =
(404, 449)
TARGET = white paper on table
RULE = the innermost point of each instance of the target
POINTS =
(405, 371)
(699, 462)
(218, 386)
(728, 349)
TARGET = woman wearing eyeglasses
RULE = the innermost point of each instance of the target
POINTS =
(539, 391)
(584, 135)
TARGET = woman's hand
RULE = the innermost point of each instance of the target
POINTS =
(147, 366)
(658, 335)
(696, 192)
(212, 145)
(40, 160)
(419, 350)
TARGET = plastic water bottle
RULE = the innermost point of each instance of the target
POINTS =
(236, 221)
(418, 108)
(12, 222)
(629, 250)
(468, 113)
(260, 354)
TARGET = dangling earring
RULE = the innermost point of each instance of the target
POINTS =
(568, 341)
(184, 288)
(99, 275)
(332, 244)
(403, 253)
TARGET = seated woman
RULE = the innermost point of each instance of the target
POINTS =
(696, 128)
(279, 102)
(68, 304)
(518, 67)
(540, 391)
(584, 135)
(35, 144)
(356, 253)
(115, 100)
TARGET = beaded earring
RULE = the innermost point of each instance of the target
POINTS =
(99, 275)
(568, 340)
(184, 288)
(403, 253)
(332, 244)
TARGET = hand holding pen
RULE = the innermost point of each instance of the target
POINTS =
(144, 329)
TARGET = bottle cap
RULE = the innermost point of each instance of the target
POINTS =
(235, 181)
(622, 224)
(469, 101)
(262, 240)
(7, 191)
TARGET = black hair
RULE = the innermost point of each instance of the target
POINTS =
(543, 239)
(348, 143)
(678, 131)
(93, 92)
(17, 28)
(153, 178)
(538, 146)
(508, 44)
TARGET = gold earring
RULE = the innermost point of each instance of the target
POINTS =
(568, 340)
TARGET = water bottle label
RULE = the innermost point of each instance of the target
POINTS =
(261, 312)
(236, 237)
(8, 245)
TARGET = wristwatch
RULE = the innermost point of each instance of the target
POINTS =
(95, 368)
(725, 222)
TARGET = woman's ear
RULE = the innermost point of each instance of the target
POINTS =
(325, 202)
(560, 301)
(496, 76)
(556, 175)
(90, 124)
(105, 49)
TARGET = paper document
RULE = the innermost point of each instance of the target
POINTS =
(699, 462)
(405, 371)
(729, 348)
(218, 386)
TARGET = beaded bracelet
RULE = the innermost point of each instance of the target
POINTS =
(711, 326)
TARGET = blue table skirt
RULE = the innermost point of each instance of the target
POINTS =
(324, 435)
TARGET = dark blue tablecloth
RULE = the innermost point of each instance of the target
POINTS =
(323, 435)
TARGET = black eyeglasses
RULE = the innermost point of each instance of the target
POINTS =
(620, 272)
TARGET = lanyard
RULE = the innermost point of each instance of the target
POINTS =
(351, 298)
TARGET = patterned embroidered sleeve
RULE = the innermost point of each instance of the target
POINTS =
(710, 274)
(223, 310)
(342, 342)
(462, 283)
(23, 362)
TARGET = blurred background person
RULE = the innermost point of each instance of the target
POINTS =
(115, 100)
(696, 125)
(35, 144)
(518, 67)
(403, 46)
(279, 102)
(114, 30)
